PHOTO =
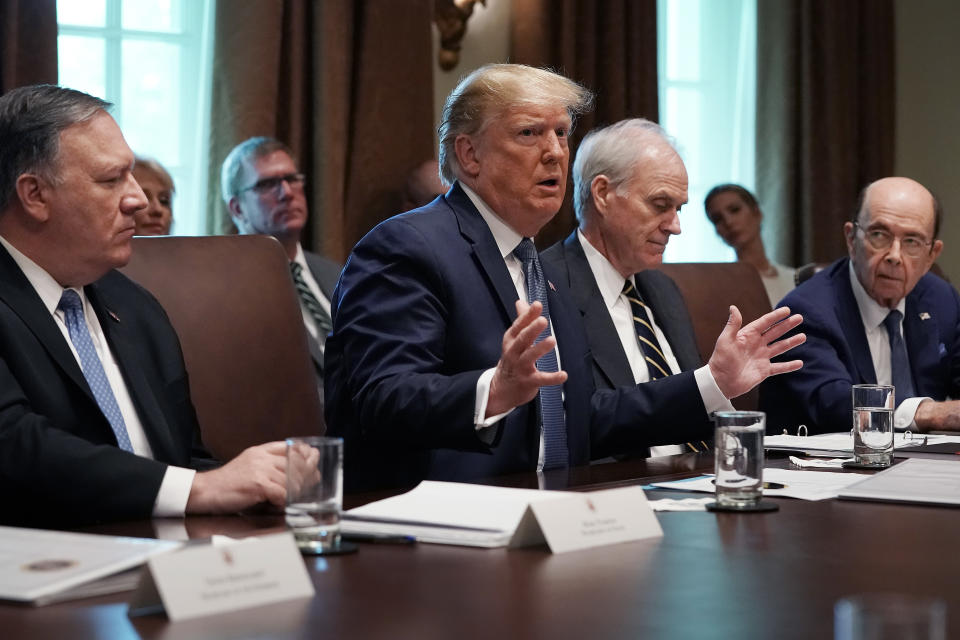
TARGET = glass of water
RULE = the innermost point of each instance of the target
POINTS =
(738, 461)
(314, 492)
(873, 406)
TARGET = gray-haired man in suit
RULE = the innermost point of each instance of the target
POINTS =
(629, 185)
(263, 189)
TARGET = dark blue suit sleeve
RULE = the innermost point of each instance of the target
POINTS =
(393, 369)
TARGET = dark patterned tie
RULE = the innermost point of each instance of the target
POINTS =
(899, 364)
(314, 308)
(652, 353)
(92, 367)
(551, 398)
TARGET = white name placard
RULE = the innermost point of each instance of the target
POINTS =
(585, 520)
(214, 578)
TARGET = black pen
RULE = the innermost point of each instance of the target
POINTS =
(378, 538)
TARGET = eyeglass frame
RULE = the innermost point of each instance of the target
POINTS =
(271, 184)
(904, 246)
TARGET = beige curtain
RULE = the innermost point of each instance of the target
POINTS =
(28, 43)
(347, 84)
(608, 45)
(825, 117)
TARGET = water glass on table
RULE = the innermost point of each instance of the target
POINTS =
(738, 461)
(873, 406)
(315, 492)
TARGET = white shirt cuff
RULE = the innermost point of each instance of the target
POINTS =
(713, 398)
(174, 492)
(482, 424)
(903, 417)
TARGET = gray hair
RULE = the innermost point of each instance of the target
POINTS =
(232, 170)
(31, 120)
(611, 151)
(484, 94)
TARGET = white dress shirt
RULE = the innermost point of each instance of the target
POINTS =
(873, 314)
(174, 491)
(307, 275)
(610, 282)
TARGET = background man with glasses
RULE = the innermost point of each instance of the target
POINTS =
(876, 317)
(263, 189)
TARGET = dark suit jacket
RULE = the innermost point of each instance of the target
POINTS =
(836, 355)
(419, 313)
(325, 272)
(59, 463)
(611, 368)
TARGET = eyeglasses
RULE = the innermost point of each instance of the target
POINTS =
(268, 185)
(881, 239)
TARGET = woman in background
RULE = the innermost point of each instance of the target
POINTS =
(736, 216)
(157, 185)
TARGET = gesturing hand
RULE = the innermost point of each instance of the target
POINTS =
(516, 379)
(741, 357)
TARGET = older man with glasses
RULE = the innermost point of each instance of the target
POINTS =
(264, 191)
(876, 317)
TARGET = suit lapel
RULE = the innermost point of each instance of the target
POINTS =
(604, 340)
(475, 230)
(851, 323)
(22, 298)
(923, 341)
(142, 392)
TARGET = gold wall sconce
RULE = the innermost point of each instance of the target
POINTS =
(451, 17)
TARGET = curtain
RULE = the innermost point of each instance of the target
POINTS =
(28, 43)
(346, 84)
(825, 116)
(610, 46)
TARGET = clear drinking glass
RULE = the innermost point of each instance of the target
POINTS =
(873, 406)
(314, 491)
(738, 461)
(889, 616)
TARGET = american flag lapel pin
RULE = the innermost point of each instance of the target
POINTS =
(552, 288)
(113, 316)
(924, 315)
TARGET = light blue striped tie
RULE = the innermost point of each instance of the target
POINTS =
(92, 367)
(551, 398)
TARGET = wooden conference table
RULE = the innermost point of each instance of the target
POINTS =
(766, 575)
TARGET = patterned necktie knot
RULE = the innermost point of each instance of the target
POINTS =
(70, 301)
(525, 251)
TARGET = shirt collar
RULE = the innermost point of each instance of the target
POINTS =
(872, 312)
(609, 280)
(300, 258)
(42, 282)
(506, 238)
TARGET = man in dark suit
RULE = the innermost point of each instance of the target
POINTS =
(876, 317)
(96, 421)
(449, 337)
(263, 189)
(629, 184)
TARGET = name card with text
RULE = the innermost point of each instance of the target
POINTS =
(215, 578)
(585, 520)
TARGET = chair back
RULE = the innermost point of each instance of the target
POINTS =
(232, 302)
(709, 289)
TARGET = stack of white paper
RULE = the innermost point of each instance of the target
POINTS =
(39, 566)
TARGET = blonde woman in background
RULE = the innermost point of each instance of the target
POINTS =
(157, 185)
(736, 216)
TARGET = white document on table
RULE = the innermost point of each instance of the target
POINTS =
(913, 480)
(837, 444)
(785, 483)
(39, 567)
(486, 516)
